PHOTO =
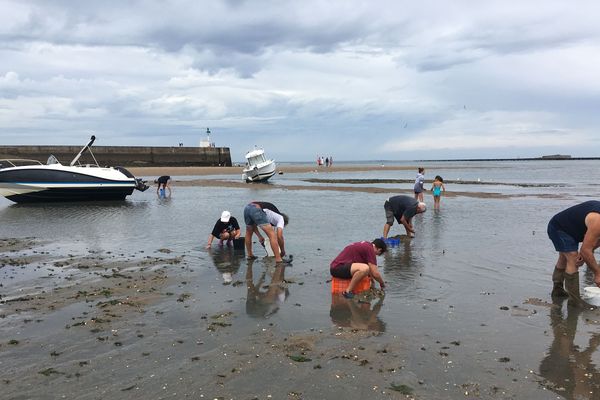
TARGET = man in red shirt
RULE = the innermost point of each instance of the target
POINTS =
(356, 261)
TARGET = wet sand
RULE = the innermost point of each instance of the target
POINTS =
(123, 301)
(202, 171)
(110, 334)
(108, 346)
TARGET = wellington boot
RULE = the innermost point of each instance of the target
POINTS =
(572, 288)
(558, 277)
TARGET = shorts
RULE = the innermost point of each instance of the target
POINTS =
(563, 242)
(254, 215)
(389, 213)
(341, 271)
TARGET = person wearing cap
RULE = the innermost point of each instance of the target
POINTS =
(264, 215)
(577, 224)
(402, 208)
(226, 229)
(356, 261)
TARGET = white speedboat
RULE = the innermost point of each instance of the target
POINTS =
(28, 181)
(258, 168)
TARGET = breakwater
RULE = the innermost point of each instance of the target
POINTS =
(127, 156)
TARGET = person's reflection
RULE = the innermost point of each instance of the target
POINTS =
(262, 300)
(567, 366)
(227, 261)
(356, 314)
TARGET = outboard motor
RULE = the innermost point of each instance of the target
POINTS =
(139, 183)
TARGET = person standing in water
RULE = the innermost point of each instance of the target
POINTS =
(436, 189)
(419, 184)
(403, 208)
(264, 215)
(568, 228)
(164, 183)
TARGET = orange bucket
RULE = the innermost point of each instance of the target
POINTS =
(339, 285)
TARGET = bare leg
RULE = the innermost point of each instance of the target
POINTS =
(386, 230)
(248, 240)
(358, 271)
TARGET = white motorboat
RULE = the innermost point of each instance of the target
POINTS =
(28, 181)
(258, 168)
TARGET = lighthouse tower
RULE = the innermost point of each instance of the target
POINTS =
(206, 142)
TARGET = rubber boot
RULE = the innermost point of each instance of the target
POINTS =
(558, 277)
(572, 288)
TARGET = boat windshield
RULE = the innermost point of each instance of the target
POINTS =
(256, 159)
(52, 160)
(17, 162)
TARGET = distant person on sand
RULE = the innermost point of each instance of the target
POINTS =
(436, 189)
(403, 208)
(226, 229)
(164, 183)
(419, 184)
(327, 161)
(568, 228)
(263, 215)
(356, 261)
(330, 161)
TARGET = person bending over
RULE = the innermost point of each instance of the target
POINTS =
(264, 215)
(403, 208)
(568, 228)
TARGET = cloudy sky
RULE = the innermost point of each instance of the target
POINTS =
(358, 80)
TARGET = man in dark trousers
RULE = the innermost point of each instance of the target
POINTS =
(403, 208)
(568, 228)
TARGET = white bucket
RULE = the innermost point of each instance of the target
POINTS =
(591, 294)
(268, 248)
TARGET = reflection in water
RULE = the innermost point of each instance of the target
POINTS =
(263, 300)
(568, 368)
(356, 314)
(227, 260)
(438, 222)
(402, 268)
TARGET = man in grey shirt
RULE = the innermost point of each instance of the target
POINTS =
(403, 208)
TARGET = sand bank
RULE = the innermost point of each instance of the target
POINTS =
(186, 171)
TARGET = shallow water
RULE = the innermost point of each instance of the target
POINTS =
(445, 288)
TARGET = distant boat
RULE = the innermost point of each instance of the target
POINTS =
(258, 168)
(28, 181)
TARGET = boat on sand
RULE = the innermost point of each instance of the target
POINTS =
(30, 181)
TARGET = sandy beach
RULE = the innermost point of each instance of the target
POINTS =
(122, 299)
(322, 172)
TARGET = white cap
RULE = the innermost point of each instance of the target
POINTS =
(225, 215)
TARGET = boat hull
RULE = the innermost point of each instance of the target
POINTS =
(62, 184)
(259, 174)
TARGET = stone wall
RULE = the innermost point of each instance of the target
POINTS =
(127, 156)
